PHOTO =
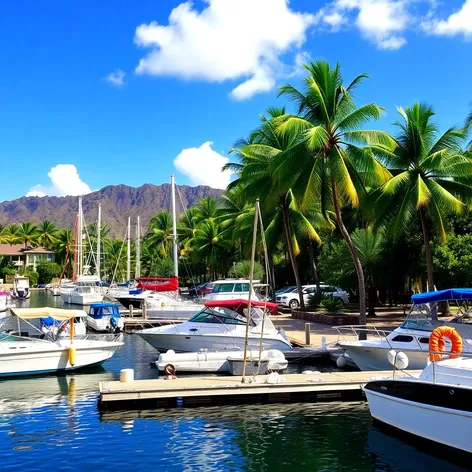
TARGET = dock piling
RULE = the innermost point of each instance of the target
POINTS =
(307, 334)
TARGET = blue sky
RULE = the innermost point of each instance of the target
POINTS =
(130, 91)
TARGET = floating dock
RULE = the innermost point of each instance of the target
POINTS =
(198, 391)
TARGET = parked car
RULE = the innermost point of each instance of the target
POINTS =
(201, 289)
(286, 289)
(292, 300)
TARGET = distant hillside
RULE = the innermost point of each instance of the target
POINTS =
(118, 202)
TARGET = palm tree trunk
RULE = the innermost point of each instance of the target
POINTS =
(288, 237)
(371, 300)
(427, 248)
(429, 260)
(311, 255)
(355, 258)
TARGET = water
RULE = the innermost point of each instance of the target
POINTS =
(53, 423)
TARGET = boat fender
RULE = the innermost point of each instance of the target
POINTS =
(399, 360)
(169, 370)
(341, 362)
(436, 343)
(72, 355)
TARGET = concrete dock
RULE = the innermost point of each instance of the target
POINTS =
(198, 391)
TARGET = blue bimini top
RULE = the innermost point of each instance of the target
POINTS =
(442, 295)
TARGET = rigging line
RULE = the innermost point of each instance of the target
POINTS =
(91, 255)
(266, 260)
(119, 257)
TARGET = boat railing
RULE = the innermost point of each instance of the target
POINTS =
(354, 330)
(445, 355)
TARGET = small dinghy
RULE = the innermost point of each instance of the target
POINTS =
(222, 361)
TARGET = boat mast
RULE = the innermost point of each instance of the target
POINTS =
(174, 228)
(80, 231)
(138, 249)
(99, 229)
(251, 283)
(128, 255)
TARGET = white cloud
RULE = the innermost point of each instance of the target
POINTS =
(459, 22)
(227, 40)
(203, 166)
(65, 180)
(116, 78)
(381, 21)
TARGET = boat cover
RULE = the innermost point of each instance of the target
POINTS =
(159, 284)
(239, 302)
(45, 312)
(442, 295)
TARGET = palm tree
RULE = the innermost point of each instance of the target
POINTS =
(160, 233)
(325, 164)
(28, 233)
(431, 176)
(211, 245)
(256, 156)
(47, 231)
(9, 234)
(64, 247)
(206, 210)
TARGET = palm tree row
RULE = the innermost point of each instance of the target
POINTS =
(318, 164)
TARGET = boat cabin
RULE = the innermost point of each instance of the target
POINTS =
(99, 310)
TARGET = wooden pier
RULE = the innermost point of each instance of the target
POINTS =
(198, 391)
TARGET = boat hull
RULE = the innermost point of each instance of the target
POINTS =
(21, 358)
(127, 301)
(81, 299)
(164, 342)
(370, 358)
(439, 424)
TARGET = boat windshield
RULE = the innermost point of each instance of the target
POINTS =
(219, 315)
(419, 318)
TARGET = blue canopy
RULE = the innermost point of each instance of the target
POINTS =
(102, 304)
(442, 295)
(99, 310)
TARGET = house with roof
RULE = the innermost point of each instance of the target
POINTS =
(28, 256)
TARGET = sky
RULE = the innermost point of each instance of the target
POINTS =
(131, 91)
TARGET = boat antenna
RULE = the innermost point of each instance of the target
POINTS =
(251, 281)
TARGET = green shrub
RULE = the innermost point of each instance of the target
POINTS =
(332, 306)
(315, 300)
(47, 270)
(33, 277)
(242, 269)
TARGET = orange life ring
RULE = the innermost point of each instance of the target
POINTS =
(436, 342)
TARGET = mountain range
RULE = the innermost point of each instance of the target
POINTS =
(118, 202)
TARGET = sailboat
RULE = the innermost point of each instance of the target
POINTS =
(86, 288)
(160, 294)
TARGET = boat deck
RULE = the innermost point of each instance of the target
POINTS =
(197, 391)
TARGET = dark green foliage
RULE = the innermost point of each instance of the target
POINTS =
(47, 270)
(315, 300)
(332, 306)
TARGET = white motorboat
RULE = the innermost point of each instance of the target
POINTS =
(220, 326)
(217, 362)
(23, 353)
(85, 291)
(4, 300)
(413, 335)
(21, 288)
(105, 317)
(434, 406)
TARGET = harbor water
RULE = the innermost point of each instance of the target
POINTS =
(53, 423)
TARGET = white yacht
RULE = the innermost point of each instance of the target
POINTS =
(22, 353)
(85, 291)
(21, 287)
(166, 306)
(413, 335)
(434, 406)
(220, 326)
